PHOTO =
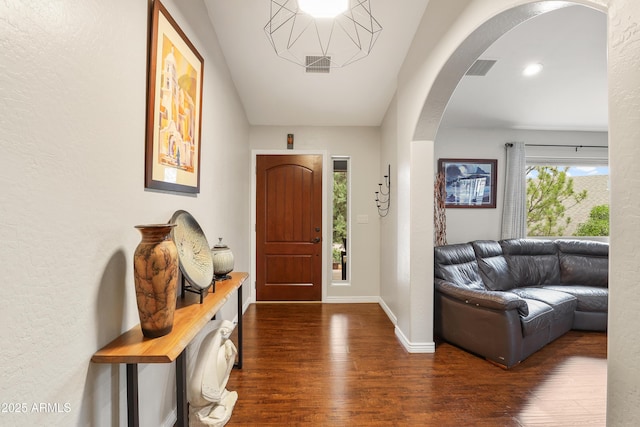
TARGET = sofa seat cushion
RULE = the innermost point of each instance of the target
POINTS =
(539, 318)
(563, 304)
(590, 298)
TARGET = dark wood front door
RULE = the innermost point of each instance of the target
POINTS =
(289, 228)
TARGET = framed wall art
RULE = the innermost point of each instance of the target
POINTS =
(174, 110)
(469, 183)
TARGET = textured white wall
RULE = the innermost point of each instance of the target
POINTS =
(72, 114)
(389, 225)
(362, 145)
(406, 292)
(623, 367)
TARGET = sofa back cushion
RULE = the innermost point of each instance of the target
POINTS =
(492, 265)
(532, 262)
(583, 263)
(457, 264)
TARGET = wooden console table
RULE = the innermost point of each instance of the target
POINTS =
(132, 348)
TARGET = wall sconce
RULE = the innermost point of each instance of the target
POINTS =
(383, 196)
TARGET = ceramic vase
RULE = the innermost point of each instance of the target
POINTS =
(155, 269)
(222, 260)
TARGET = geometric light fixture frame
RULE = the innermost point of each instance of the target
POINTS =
(333, 42)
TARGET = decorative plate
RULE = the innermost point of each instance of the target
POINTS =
(194, 253)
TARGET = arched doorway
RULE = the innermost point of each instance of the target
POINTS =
(436, 74)
(552, 113)
(415, 139)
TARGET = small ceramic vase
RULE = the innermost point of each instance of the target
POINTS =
(222, 260)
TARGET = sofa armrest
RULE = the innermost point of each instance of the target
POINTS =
(496, 300)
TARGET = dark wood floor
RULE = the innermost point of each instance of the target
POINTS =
(341, 365)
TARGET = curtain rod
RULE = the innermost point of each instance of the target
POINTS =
(510, 144)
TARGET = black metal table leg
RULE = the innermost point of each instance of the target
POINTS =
(181, 390)
(133, 411)
(239, 363)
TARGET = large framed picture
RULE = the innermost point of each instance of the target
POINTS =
(469, 183)
(174, 110)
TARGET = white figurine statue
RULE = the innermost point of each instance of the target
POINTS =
(210, 403)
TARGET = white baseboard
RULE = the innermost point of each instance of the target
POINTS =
(388, 311)
(426, 347)
(171, 419)
(245, 306)
(351, 300)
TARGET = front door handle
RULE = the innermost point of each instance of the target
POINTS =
(316, 240)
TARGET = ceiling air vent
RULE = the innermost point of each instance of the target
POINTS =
(481, 67)
(318, 64)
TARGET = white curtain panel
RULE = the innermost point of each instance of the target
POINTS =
(514, 214)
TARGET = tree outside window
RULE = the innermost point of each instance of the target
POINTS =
(339, 213)
(340, 220)
(567, 201)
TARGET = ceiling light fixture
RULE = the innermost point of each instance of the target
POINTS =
(323, 8)
(532, 69)
(300, 29)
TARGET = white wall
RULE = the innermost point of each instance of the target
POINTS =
(623, 367)
(389, 225)
(362, 145)
(465, 225)
(399, 289)
(72, 113)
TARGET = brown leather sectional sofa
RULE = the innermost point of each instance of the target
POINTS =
(504, 300)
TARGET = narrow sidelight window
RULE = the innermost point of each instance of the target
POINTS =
(340, 244)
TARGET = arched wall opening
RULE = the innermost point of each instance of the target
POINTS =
(433, 78)
(415, 156)
(566, 104)
(472, 31)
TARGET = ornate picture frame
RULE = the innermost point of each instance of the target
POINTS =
(174, 110)
(469, 183)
